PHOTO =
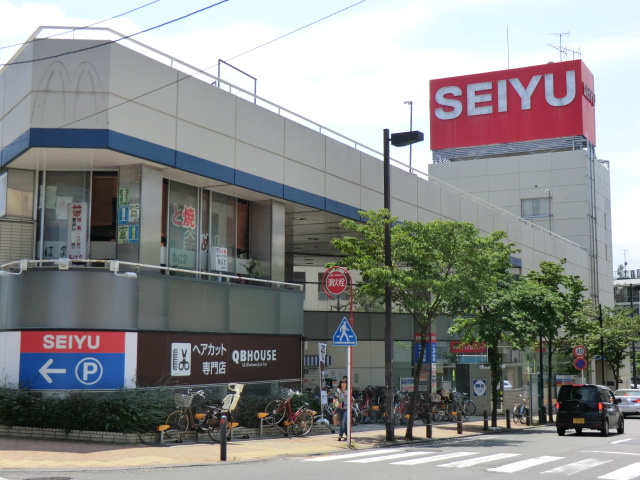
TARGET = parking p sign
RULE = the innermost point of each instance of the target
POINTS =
(72, 360)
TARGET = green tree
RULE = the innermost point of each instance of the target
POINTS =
(489, 323)
(553, 302)
(437, 267)
(619, 328)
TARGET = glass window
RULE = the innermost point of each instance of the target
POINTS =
(183, 221)
(103, 206)
(66, 196)
(536, 207)
(223, 234)
(16, 193)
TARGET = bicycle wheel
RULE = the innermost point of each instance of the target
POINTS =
(213, 428)
(178, 424)
(275, 411)
(302, 424)
(469, 407)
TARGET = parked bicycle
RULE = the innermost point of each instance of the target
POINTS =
(463, 404)
(280, 413)
(184, 419)
(521, 411)
(211, 420)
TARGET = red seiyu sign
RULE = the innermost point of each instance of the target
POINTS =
(532, 103)
(457, 347)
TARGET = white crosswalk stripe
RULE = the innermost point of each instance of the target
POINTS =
(383, 458)
(435, 458)
(329, 458)
(627, 473)
(393, 456)
(477, 461)
(524, 464)
(577, 467)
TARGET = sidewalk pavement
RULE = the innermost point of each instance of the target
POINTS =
(61, 455)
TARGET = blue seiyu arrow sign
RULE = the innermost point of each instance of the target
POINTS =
(344, 336)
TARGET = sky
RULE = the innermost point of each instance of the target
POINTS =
(350, 65)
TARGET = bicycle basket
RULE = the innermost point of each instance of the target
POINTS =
(287, 393)
(183, 400)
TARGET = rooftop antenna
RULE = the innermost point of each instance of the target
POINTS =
(624, 252)
(564, 52)
(508, 56)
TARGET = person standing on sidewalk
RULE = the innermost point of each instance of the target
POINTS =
(341, 397)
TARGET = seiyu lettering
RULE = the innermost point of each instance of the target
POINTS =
(253, 355)
(70, 342)
(480, 96)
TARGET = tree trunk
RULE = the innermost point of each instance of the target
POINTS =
(550, 381)
(416, 382)
(496, 378)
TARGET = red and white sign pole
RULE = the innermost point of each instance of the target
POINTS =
(334, 282)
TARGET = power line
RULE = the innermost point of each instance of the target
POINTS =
(187, 75)
(117, 40)
(79, 28)
(296, 30)
(204, 69)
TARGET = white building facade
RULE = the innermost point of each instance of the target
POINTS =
(164, 223)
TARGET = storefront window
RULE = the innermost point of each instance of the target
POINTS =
(223, 234)
(183, 221)
(103, 206)
(66, 217)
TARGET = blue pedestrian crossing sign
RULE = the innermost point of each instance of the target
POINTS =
(344, 336)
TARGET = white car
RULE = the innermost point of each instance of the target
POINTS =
(506, 385)
(629, 401)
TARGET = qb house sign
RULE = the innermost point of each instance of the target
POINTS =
(210, 358)
(533, 103)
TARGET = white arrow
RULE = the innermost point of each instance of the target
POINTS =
(45, 370)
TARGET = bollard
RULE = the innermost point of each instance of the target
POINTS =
(429, 426)
(486, 421)
(459, 421)
(528, 415)
(223, 438)
(508, 417)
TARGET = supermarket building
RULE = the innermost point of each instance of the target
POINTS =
(159, 226)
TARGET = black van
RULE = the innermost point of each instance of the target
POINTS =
(588, 406)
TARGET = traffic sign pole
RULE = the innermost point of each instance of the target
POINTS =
(334, 282)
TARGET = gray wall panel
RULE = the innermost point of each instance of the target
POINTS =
(71, 300)
(197, 306)
(96, 300)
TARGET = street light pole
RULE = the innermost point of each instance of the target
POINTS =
(388, 336)
(397, 140)
(410, 103)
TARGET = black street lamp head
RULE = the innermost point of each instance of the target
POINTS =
(406, 138)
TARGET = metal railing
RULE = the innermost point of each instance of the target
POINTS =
(132, 269)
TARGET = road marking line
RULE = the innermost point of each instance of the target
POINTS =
(387, 457)
(521, 465)
(475, 461)
(627, 473)
(444, 456)
(577, 467)
(349, 455)
(615, 453)
(621, 441)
